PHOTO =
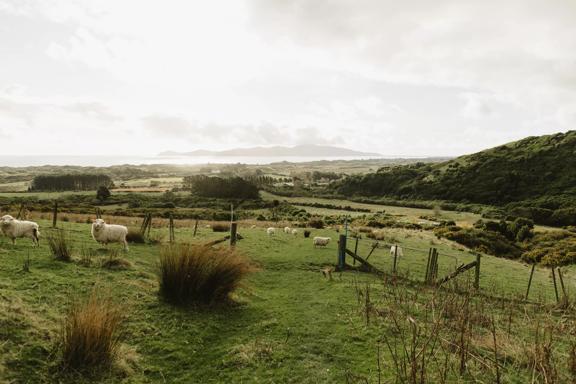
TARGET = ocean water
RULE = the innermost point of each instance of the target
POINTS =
(106, 161)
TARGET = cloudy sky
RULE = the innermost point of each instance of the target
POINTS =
(411, 77)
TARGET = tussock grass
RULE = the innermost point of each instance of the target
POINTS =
(200, 274)
(60, 245)
(135, 236)
(114, 261)
(91, 333)
(220, 228)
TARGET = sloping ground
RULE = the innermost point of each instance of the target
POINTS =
(291, 324)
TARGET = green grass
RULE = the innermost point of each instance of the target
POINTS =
(290, 324)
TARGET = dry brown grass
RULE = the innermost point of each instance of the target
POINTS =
(200, 274)
(91, 333)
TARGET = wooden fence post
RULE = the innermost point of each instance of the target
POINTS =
(555, 285)
(342, 252)
(233, 230)
(477, 273)
(395, 258)
(171, 228)
(427, 275)
(195, 227)
(55, 214)
(19, 216)
(530, 281)
(562, 285)
(355, 250)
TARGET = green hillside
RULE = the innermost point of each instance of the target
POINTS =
(533, 177)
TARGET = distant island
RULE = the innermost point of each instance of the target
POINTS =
(297, 151)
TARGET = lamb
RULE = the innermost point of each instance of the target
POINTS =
(294, 232)
(287, 230)
(271, 231)
(14, 229)
(396, 249)
(321, 241)
(109, 233)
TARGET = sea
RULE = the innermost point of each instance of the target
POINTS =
(106, 161)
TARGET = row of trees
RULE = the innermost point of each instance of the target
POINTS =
(217, 187)
(71, 182)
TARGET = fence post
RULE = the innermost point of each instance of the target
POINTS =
(149, 224)
(19, 216)
(562, 285)
(395, 258)
(233, 230)
(530, 281)
(477, 273)
(171, 228)
(555, 285)
(55, 214)
(355, 250)
(195, 227)
(342, 252)
(427, 275)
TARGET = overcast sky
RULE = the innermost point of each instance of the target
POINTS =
(410, 77)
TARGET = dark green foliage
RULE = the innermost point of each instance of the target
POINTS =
(103, 193)
(542, 168)
(553, 248)
(199, 274)
(316, 223)
(307, 233)
(218, 187)
(489, 242)
(76, 182)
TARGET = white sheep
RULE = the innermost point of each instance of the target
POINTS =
(109, 233)
(287, 230)
(271, 231)
(321, 241)
(294, 232)
(396, 249)
(14, 229)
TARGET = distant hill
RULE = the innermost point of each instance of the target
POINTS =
(296, 151)
(539, 169)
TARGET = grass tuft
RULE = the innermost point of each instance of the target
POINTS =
(135, 236)
(91, 333)
(114, 261)
(221, 228)
(200, 274)
(60, 245)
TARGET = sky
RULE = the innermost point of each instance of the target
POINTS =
(400, 78)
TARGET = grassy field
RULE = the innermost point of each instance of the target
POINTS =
(290, 324)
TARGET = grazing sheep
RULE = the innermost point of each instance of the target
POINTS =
(294, 232)
(321, 241)
(14, 229)
(287, 230)
(399, 253)
(109, 233)
(271, 231)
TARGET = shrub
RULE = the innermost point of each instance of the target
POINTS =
(221, 228)
(135, 236)
(200, 274)
(58, 243)
(91, 333)
(316, 223)
(306, 233)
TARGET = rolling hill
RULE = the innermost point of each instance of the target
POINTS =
(533, 173)
(298, 150)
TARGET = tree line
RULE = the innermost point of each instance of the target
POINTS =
(71, 182)
(218, 187)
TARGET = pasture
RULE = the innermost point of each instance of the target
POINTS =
(289, 323)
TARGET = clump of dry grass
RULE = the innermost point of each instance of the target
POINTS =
(135, 236)
(200, 274)
(114, 261)
(91, 333)
(220, 228)
(59, 245)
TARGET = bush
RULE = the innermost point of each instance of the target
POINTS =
(58, 243)
(306, 233)
(91, 333)
(221, 228)
(200, 274)
(135, 236)
(316, 223)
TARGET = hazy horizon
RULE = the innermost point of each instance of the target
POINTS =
(415, 78)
